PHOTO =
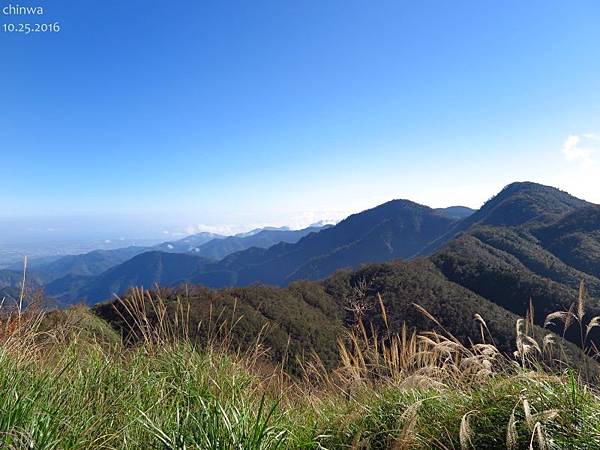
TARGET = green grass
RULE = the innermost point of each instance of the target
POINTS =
(178, 398)
(67, 381)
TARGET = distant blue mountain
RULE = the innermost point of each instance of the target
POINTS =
(397, 229)
(187, 244)
(264, 238)
(66, 276)
(144, 271)
(527, 220)
(456, 212)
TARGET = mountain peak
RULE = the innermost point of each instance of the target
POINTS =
(526, 186)
(522, 202)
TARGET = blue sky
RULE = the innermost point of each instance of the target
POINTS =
(144, 117)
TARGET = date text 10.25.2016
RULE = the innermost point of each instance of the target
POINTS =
(28, 28)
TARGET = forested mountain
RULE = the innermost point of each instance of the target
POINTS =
(396, 229)
(530, 242)
(518, 204)
(575, 239)
(308, 316)
(524, 203)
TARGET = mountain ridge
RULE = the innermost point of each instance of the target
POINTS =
(516, 247)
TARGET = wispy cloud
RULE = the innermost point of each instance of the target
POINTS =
(582, 149)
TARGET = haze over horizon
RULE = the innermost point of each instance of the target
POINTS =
(118, 231)
(227, 117)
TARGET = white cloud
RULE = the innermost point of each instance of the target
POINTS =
(217, 229)
(582, 149)
(580, 175)
(297, 221)
(293, 220)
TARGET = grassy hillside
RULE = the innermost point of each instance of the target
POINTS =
(69, 382)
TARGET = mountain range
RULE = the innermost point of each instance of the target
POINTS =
(218, 249)
(47, 269)
(528, 244)
(522, 217)
(397, 229)
(89, 276)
